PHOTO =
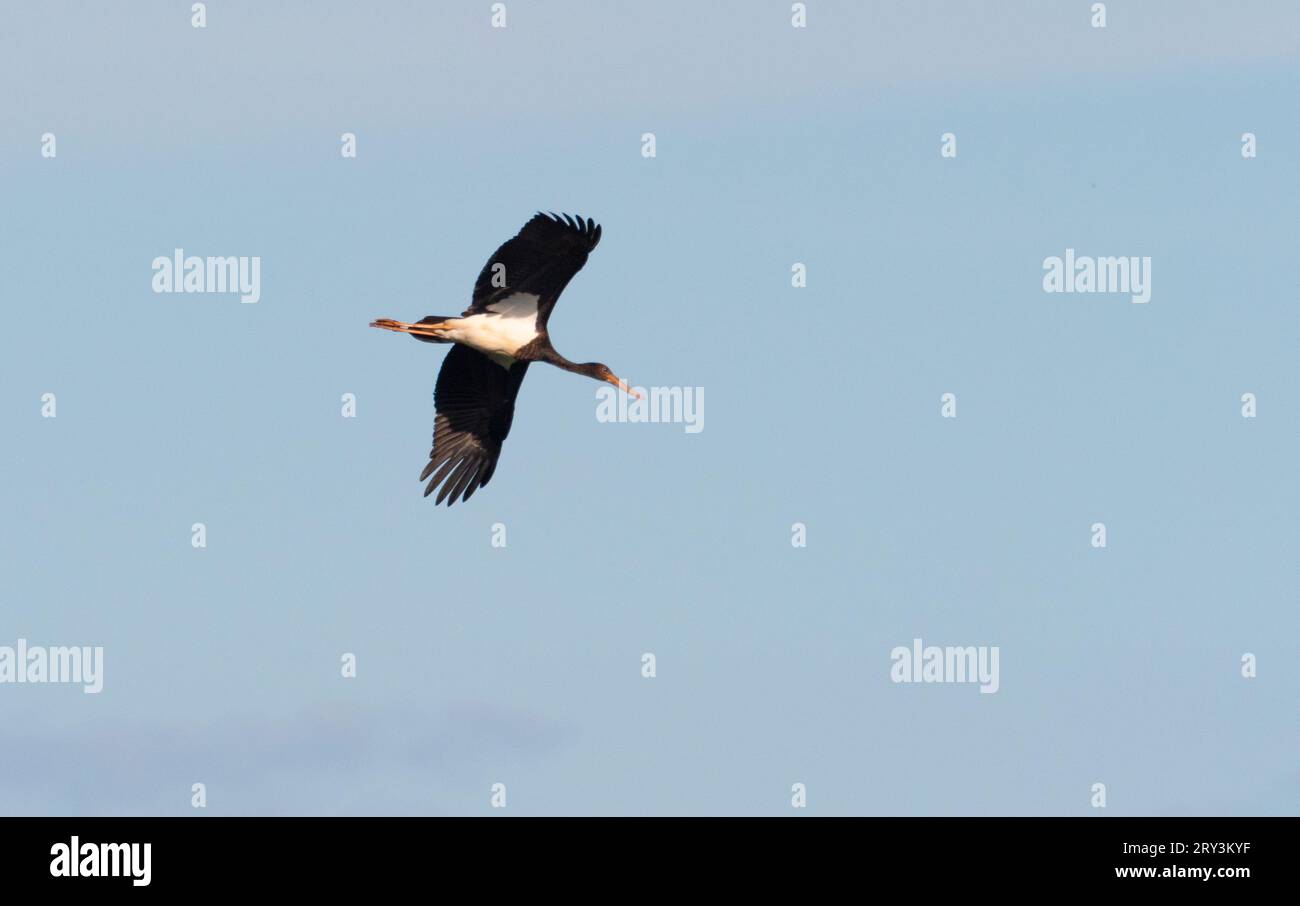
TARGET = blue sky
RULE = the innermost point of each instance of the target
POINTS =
(521, 665)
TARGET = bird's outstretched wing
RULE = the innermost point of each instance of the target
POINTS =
(475, 400)
(540, 260)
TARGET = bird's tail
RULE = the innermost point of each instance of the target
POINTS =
(429, 329)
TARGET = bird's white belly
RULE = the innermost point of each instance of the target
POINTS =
(508, 325)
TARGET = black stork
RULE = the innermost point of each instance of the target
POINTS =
(496, 338)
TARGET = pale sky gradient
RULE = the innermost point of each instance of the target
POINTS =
(521, 665)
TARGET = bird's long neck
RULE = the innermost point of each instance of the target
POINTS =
(590, 369)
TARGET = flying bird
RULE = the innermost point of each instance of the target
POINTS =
(501, 333)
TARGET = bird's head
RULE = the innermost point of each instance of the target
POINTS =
(602, 373)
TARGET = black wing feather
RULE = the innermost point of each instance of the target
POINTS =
(475, 400)
(541, 259)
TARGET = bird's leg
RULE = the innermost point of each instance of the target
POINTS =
(419, 330)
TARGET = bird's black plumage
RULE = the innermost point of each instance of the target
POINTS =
(541, 259)
(474, 396)
(475, 399)
(493, 345)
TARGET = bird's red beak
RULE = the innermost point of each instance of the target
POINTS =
(623, 385)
